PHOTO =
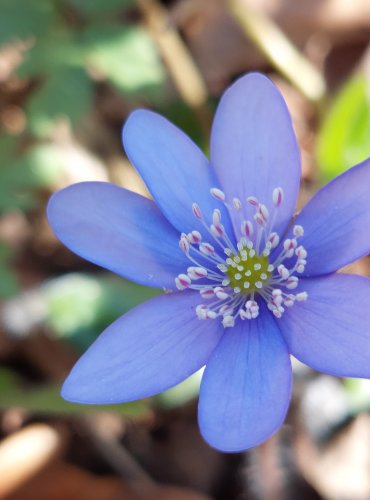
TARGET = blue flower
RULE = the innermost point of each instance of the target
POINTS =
(248, 287)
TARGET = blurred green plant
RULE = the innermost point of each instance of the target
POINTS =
(46, 400)
(80, 306)
(76, 306)
(69, 45)
(343, 139)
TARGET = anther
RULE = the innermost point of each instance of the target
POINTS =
(184, 243)
(182, 281)
(217, 230)
(252, 200)
(206, 249)
(220, 293)
(237, 203)
(218, 194)
(291, 282)
(196, 210)
(277, 196)
(298, 231)
(194, 237)
(301, 296)
(283, 271)
(196, 273)
(228, 321)
(262, 209)
(246, 228)
(216, 216)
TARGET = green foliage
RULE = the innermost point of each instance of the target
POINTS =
(94, 8)
(66, 93)
(58, 51)
(47, 400)
(8, 282)
(20, 174)
(25, 19)
(127, 58)
(80, 306)
(182, 393)
(343, 139)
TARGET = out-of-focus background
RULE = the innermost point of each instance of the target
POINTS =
(70, 73)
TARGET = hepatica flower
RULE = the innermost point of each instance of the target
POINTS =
(247, 283)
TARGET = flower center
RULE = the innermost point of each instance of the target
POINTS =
(233, 278)
(247, 270)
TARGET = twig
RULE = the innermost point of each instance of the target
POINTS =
(179, 62)
(279, 50)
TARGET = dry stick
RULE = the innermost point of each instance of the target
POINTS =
(265, 476)
(185, 74)
(116, 454)
(279, 50)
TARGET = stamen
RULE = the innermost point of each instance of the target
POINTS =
(196, 273)
(277, 196)
(233, 278)
(196, 210)
(237, 203)
(194, 237)
(218, 194)
(182, 281)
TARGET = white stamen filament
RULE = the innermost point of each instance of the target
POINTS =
(234, 278)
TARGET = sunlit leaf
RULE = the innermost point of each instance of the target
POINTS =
(19, 176)
(181, 393)
(358, 393)
(127, 58)
(66, 94)
(343, 139)
(81, 306)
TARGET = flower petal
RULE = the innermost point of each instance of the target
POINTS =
(174, 169)
(119, 230)
(331, 330)
(253, 146)
(246, 385)
(151, 348)
(336, 222)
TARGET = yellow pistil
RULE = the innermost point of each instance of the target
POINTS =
(247, 271)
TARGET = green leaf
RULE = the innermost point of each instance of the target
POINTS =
(344, 138)
(22, 19)
(181, 393)
(93, 8)
(358, 394)
(56, 52)
(127, 57)
(66, 94)
(81, 306)
(47, 400)
(20, 176)
(8, 281)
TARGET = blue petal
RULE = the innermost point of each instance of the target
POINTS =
(151, 348)
(119, 230)
(331, 330)
(174, 169)
(246, 386)
(336, 222)
(253, 146)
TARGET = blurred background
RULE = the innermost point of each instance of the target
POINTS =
(70, 73)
